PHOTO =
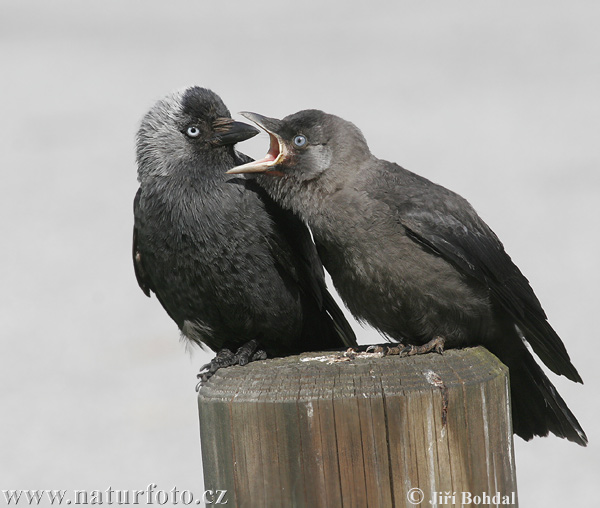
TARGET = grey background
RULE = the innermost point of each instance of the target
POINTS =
(496, 100)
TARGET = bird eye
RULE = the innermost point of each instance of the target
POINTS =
(300, 140)
(192, 131)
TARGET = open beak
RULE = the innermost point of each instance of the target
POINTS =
(230, 132)
(277, 151)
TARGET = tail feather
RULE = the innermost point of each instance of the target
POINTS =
(548, 346)
(341, 326)
(537, 408)
(324, 326)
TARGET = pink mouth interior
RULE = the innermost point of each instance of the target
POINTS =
(273, 152)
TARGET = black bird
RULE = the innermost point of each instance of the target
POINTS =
(415, 260)
(233, 269)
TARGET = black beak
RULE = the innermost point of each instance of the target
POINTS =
(271, 125)
(230, 132)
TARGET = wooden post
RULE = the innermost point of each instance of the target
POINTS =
(325, 430)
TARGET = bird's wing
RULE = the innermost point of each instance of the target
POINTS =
(296, 253)
(140, 273)
(290, 242)
(292, 247)
(446, 224)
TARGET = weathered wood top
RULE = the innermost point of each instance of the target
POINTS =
(316, 375)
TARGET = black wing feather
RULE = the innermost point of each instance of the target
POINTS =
(446, 224)
(140, 273)
(295, 252)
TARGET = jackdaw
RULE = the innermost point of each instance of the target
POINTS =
(234, 270)
(415, 260)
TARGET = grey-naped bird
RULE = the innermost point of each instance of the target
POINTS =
(234, 270)
(415, 260)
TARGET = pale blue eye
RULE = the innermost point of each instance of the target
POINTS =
(193, 131)
(299, 140)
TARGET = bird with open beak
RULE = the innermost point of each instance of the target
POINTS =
(414, 259)
(235, 271)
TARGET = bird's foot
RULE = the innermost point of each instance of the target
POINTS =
(436, 344)
(385, 350)
(247, 353)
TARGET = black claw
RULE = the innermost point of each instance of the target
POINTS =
(259, 355)
(247, 353)
(436, 344)
(203, 378)
(408, 351)
(224, 358)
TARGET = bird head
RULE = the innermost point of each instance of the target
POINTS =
(186, 126)
(305, 145)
